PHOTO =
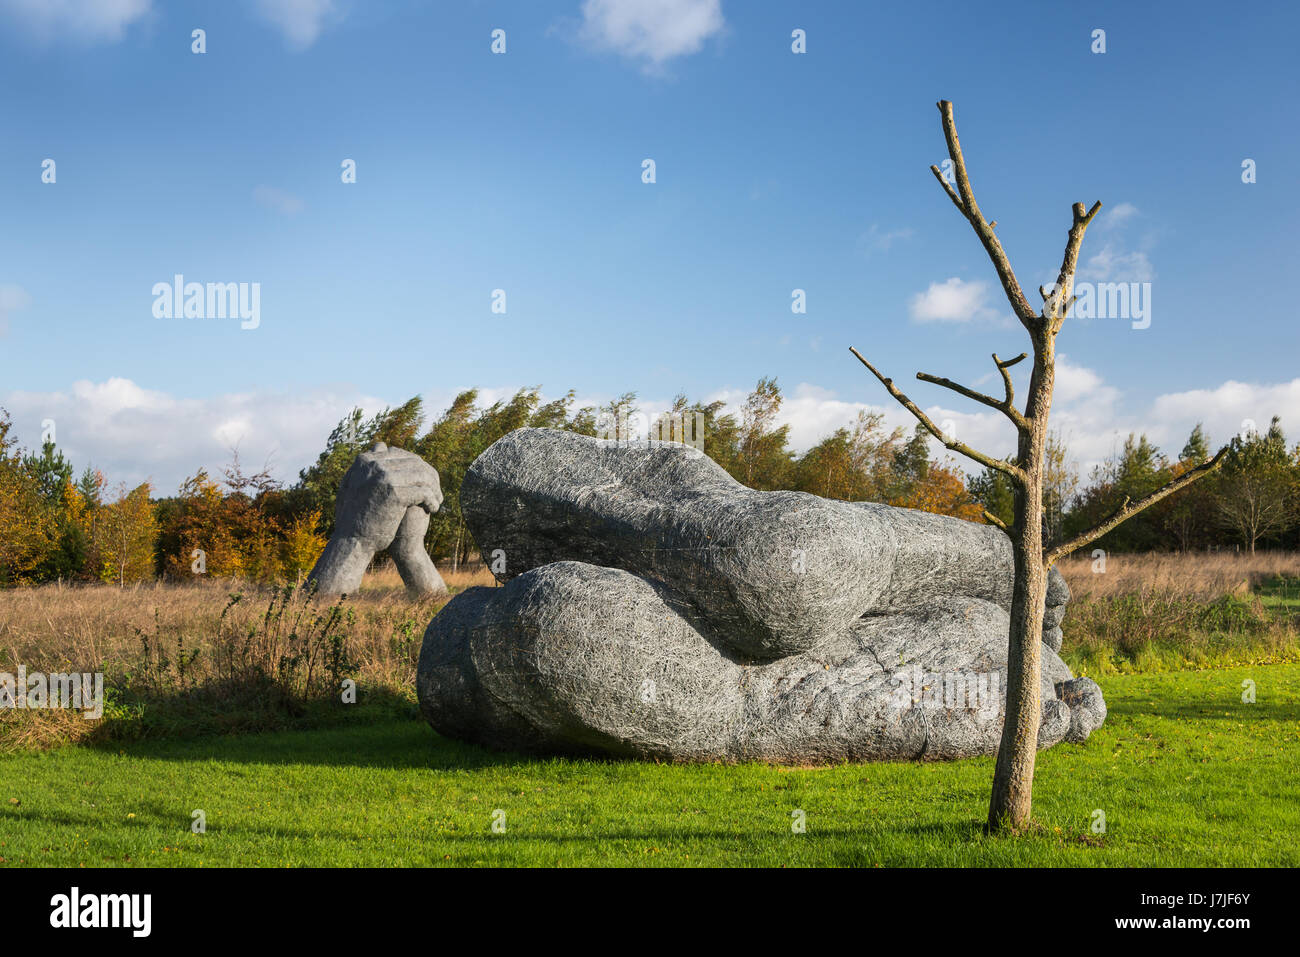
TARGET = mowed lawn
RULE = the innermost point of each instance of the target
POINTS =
(1184, 771)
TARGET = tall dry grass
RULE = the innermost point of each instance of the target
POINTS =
(192, 654)
(54, 627)
(1161, 611)
(1202, 576)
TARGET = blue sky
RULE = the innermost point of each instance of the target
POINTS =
(522, 172)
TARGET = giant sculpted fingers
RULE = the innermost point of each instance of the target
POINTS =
(376, 499)
(378, 489)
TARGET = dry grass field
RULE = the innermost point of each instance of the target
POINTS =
(1195, 575)
(194, 658)
(1170, 611)
(53, 628)
(176, 656)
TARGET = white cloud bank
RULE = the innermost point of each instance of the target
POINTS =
(133, 433)
(652, 31)
(1091, 415)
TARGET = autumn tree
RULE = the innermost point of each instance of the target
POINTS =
(854, 465)
(52, 475)
(303, 544)
(721, 431)
(129, 530)
(86, 508)
(26, 534)
(941, 490)
(1011, 802)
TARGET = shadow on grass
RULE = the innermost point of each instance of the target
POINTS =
(381, 735)
(152, 816)
(374, 743)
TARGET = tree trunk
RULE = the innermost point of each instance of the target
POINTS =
(1013, 777)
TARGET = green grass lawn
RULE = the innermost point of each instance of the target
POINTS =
(1185, 772)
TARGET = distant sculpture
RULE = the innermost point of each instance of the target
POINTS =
(655, 607)
(384, 502)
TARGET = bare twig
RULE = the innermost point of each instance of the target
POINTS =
(1053, 310)
(1004, 407)
(994, 520)
(1128, 509)
(1003, 366)
(970, 209)
(947, 188)
(986, 460)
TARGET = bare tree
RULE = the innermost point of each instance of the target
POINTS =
(1013, 779)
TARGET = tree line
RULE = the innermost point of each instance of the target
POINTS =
(1252, 501)
(56, 525)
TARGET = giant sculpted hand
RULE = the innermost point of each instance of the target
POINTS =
(384, 502)
(652, 606)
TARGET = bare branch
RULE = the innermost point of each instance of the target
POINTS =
(1053, 310)
(1006, 376)
(994, 520)
(970, 209)
(986, 460)
(1004, 407)
(960, 389)
(947, 188)
(1128, 509)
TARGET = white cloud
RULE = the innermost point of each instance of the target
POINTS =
(1113, 263)
(1120, 213)
(878, 240)
(86, 21)
(133, 433)
(653, 31)
(1090, 415)
(1117, 260)
(1225, 409)
(12, 298)
(1075, 383)
(301, 21)
(952, 301)
(278, 200)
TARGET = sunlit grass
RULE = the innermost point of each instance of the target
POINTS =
(1184, 772)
